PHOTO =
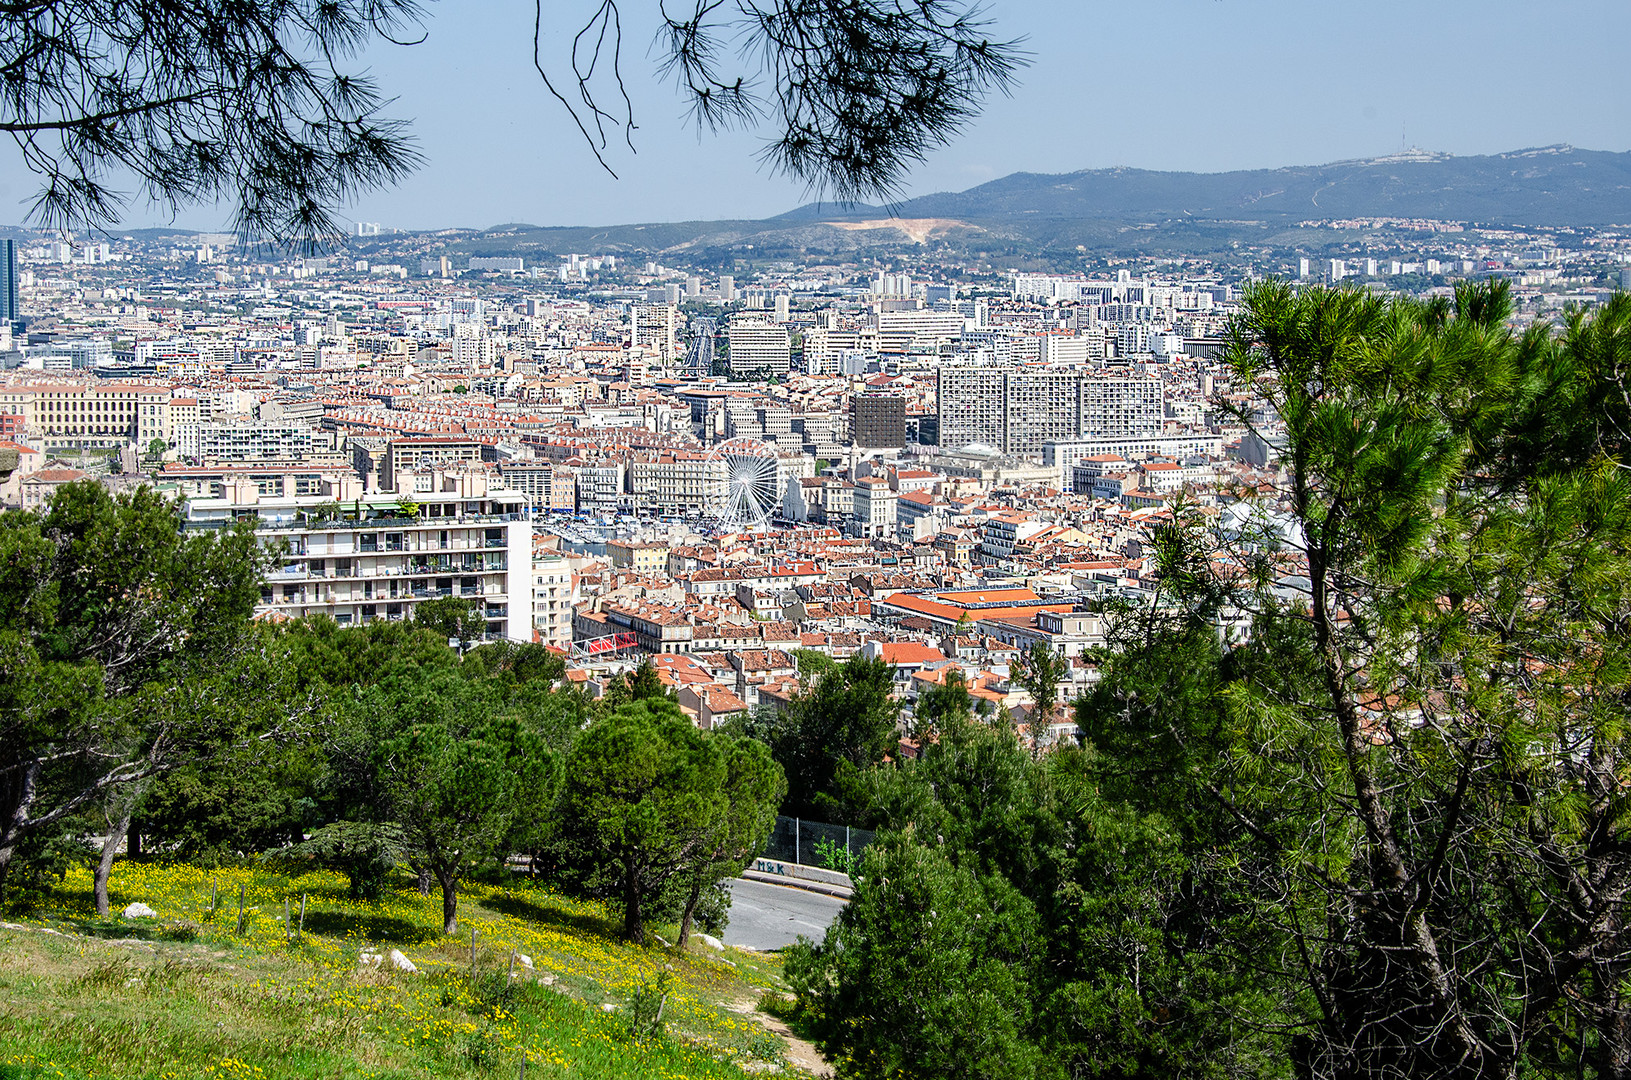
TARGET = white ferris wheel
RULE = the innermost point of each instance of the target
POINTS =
(743, 484)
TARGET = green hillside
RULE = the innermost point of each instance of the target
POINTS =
(184, 994)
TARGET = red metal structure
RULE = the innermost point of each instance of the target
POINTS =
(609, 643)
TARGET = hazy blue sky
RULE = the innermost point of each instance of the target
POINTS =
(1202, 85)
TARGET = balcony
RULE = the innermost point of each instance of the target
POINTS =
(341, 523)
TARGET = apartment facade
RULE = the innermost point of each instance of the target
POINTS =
(545, 486)
(760, 348)
(467, 539)
(420, 454)
(672, 481)
(656, 327)
(970, 406)
(1038, 407)
(245, 439)
(1021, 411)
(875, 515)
(92, 415)
(554, 594)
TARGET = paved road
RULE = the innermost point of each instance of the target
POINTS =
(769, 916)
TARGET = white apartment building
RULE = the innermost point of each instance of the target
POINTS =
(472, 348)
(553, 597)
(181, 425)
(1133, 339)
(244, 439)
(1021, 411)
(1040, 406)
(916, 331)
(876, 515)
(970, 406)
(1119, 408)
(600, 487)
(759, 348)
(1072, 349)
(824, 347)
(465, 538)
(656, 327)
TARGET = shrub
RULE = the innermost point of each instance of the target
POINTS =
(834, 856)
(646, 1007)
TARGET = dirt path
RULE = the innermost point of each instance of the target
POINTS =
(800, 1053)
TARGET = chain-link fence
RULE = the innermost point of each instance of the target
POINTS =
(815, 843)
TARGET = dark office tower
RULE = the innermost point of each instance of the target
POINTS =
(8, 281)
(879, 422)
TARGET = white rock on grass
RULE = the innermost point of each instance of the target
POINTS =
(712, 942)
(139, 910)
(400, 962)
(608, 1007)
(524, 960)
(369, 959)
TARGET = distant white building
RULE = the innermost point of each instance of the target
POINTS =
(759, 348)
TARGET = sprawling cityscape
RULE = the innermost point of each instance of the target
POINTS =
(930, 459)
(849, 582)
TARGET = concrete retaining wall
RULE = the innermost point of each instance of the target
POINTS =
(801, 872)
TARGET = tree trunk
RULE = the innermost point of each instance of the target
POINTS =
(634, 926)
(105, 867)
(450, 902)
(11, 831)
(690, 910)
(1421, 951)
(1614, 1050)
(423, 875)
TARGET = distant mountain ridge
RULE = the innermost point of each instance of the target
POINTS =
(1548, 185)
(1056, 218)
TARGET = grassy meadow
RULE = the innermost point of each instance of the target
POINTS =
(184, 994)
